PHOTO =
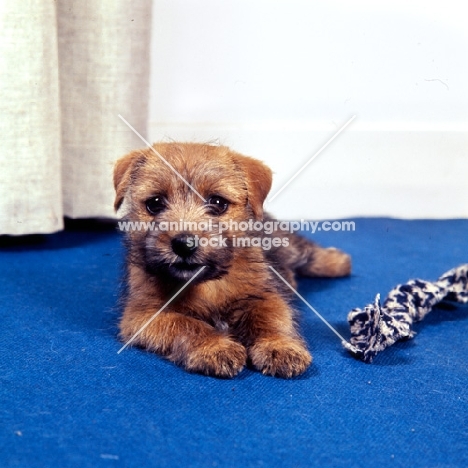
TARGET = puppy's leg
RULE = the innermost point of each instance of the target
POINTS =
(186, 341)
(309, 259)
(273, 345)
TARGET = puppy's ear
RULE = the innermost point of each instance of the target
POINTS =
(259, 178)
(122, 172)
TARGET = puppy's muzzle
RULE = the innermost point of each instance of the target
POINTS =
(183, 245)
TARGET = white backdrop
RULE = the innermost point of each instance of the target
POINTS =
(276, 79)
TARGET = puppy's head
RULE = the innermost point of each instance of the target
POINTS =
(179, 194)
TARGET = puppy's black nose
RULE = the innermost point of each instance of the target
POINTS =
(183, 245)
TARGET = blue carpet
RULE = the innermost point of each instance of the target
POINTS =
(67, 399)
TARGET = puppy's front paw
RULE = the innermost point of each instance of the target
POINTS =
(280, 356)
(219, 357)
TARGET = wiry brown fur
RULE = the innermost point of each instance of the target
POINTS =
(237, 310)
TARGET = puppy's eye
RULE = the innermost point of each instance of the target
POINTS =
(217, 204)
(155, 205)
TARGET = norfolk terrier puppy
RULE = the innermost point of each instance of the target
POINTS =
(196, 250)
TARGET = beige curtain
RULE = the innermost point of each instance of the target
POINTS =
(67, 69)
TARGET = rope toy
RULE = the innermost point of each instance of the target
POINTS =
(377, 327)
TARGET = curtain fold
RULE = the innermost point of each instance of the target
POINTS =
(30, 161)
(67, 69)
